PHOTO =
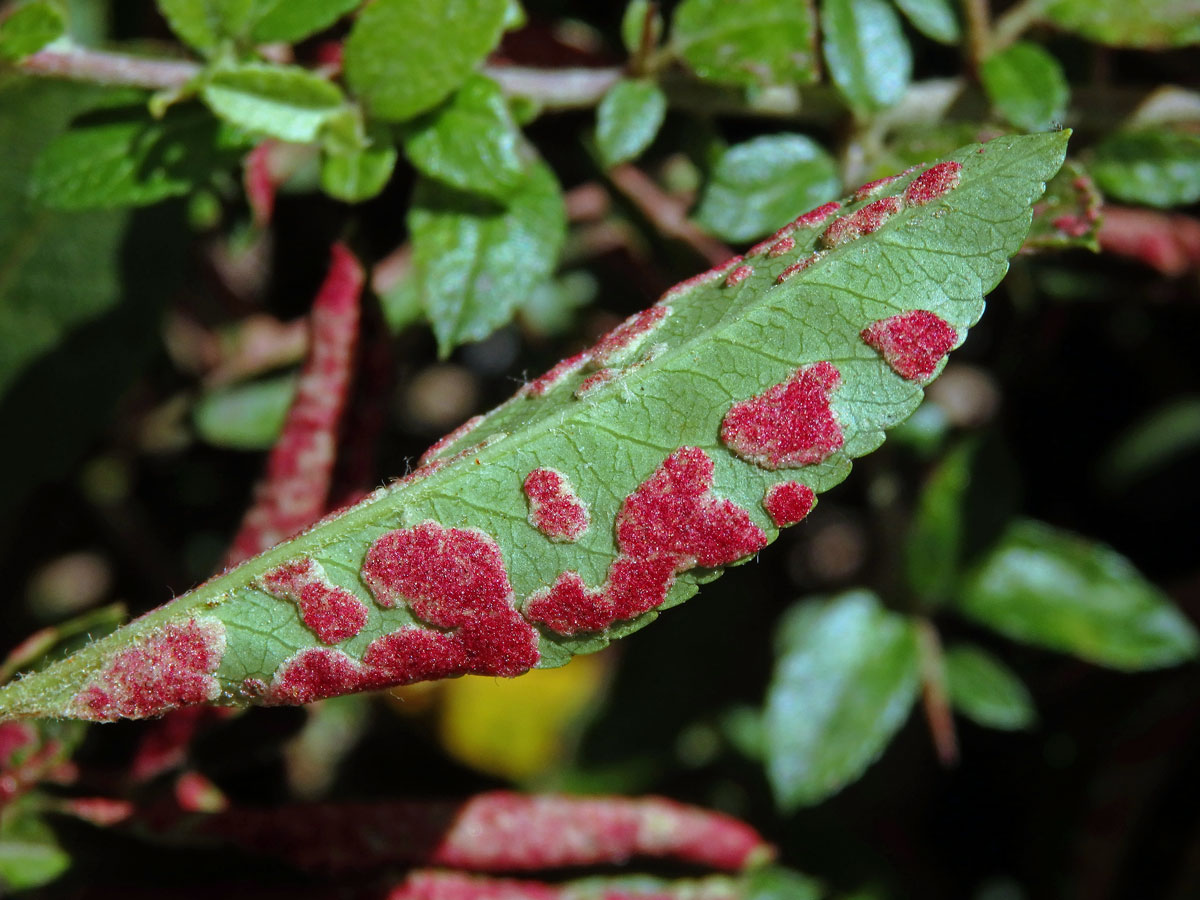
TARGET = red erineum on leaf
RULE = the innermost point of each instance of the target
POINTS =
(788, 425)
(439, 447)
(333, 613)
(912, 343)
(738, 275)
(628, 335)
(560, 372)
(934, 182)
(863, 221)
(798, 266)
(873, 187)
(422, 885)
(554, 509)
(788, 502)
(782, 246)
(170, 666)
(671, 523)
(295, 490)
(696, 280)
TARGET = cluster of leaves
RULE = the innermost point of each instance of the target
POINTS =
(430, 107)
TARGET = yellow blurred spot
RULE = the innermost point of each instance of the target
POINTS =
(414, 699)
(519, 727)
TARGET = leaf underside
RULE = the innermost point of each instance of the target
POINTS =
(611, 488)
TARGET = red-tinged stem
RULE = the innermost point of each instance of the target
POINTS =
(423, 885)
(259, 182)
(295, 490)
(495, 832)
(261, 343)
(668, 214)
(102, 67)
(935, 700)
(1168, 242)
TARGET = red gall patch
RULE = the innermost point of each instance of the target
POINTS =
(871, 188)
(912, 343)
(554, 509)
(738, 275)
(259, 182)
(782, 246)
(934, 182)
(809, 219)
(594, 382)
(168, 667)
(627, 336)
(442, 444)
(695, 281)
(14, 736)
(313, 674)
(558, 374)
(788, 503)
(670, 524)
(333, 613)
(863, 221)
(798, 266)
(788, 425)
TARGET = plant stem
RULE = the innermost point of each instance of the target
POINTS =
(102, 67)
(1015, 22)
(979, 39)
(934, 698)
(668, 214)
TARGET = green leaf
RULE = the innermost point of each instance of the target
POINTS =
(30, 856)
(127, 158)
(475, 262)
(294, 20)
(754, 42)
(285, 102)
(642, 442)
(358, 176)
(404, 57)
(933, 18)
(986, 691)
(1070, 212)
(778, 883)
(1055, 589)
(628, 118)
(245, 416)
(634, 21)
(764, 181)
(868, 56)
(845, 678)
(934, 547)
(1027, 86)
(471, 142)
(1162, 437)
(30, 28)
(204, 24)
(1129, 23)
(1154, 166)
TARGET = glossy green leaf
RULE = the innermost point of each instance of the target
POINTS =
(285, 102)
(294, 20)
(934, 547)
(29, 28)
(475, 262)
(360, 175)
(628, 119)
(764, 181)
(245, 416)
(127, 158)
(845, 678)
(986, 691)
(1157, 167)
(1055, 589)
(30, 855)
(1027, 86)
(869, 58)
(471, 142)
(204, 24)
(754, 42)
(1129, 23)
(404, 57)
(933, 18)
(633, 21)
(652, 420)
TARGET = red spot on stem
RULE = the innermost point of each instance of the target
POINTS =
(628, 335)
(788, 503)
(333, 613)
(670, 524)
(169, 667)
(933, 183)
(912, 343)
(439, 447)
(798, 266)
(554, 509)
(788, 425)
(863, 221)
(738, 275)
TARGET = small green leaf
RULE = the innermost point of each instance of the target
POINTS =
(986, 691)
(1155, 166)
(1070, 212)
(360, 175)
(245, 416)
(868, 56)
(845, 679)
(30, 855)
(764, 181)
(1027, 86)
(1129, 23)
(204, 24)
(634, 21)
(552, 307)
(294, 20)
(627, 120)
(934, 549)
(285, 102)
(1049, 587)
(475, 262)
(778, 883)
(127, 158)
(406, 56)
(933, 18)
(30, 28)
(1162, 437)
(754, 42)
(471, 142)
